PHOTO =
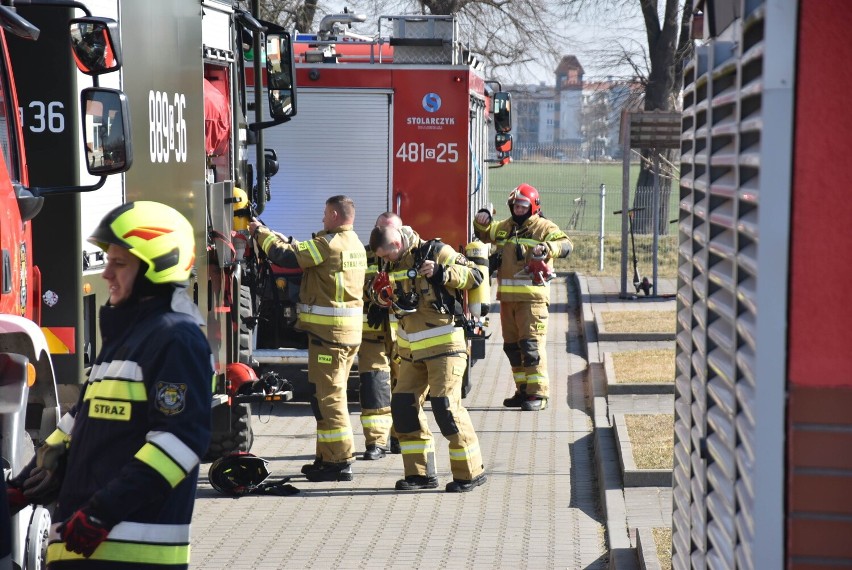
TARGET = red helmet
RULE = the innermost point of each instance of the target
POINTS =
(240, 378)
(238, 474)
(525, 193)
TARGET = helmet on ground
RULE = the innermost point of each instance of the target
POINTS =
(238, 473)
(525, 194)
(241, 378)
(155, 233)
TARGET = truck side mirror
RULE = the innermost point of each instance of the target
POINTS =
(106, 126)
(280, 69)
(502, 111)
(95, 45)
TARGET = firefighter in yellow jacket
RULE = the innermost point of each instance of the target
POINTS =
(377, 368)
(526, 244)
(425, 277)
(330, 312)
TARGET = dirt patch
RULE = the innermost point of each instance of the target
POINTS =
(644, 366)
(663, 544)
(639, 321)
(652, 438)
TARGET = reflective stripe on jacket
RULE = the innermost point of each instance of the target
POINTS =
(515, 244)
(332, 290)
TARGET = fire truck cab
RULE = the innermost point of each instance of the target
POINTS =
(404, 121)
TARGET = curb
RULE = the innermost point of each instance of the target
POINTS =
(632, 475)
(622, 555)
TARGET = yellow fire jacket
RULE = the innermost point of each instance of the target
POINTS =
(515, 244)
(425, 308)
(331, 296)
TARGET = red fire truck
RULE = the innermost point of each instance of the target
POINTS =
(404, 122)
(187, 148)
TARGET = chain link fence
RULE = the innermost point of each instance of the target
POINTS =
(582, 196)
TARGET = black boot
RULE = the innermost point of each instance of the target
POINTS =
(534, 404)
(394, 446)
(515, 401)
(374, 452)
(463, 486)
(330, 472)
(311, 466)
(415, 482)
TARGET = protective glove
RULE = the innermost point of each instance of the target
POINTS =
(83, 532)
(438, 275)
(376, 316)
(539, 271)
(381, 292)
(16, 498)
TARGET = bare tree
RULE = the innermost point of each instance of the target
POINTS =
(658, 66)
(508, 35)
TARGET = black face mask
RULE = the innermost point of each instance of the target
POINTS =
(143, 287)
(522, 218)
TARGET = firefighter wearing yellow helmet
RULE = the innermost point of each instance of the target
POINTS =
(123, 462)
(527, 242)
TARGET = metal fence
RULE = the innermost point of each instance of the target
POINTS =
(582, 196)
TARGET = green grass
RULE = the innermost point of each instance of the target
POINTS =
(570, 193)
(570, 196)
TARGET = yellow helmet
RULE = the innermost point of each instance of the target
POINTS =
(155, 233)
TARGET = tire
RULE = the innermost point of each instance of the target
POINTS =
(246, 333)
(239, 436)
(36, 554)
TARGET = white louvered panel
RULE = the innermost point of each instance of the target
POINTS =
(747, 298)
(680, 540)
(684, 345)
(699, 210)
(723, 213)
(747, 257)
(697, 561)
(699, 288)
(682, 362)
(718, 557)
(721, 303)
(686, 225)
(745, 454)
(725, 185)
(747, 224)
(744, 557)
(745, 419)
(722, 394)
(722, 274)
(684, 270)
(746, 364)
(749, 189)
(720, 443)
(721, 361)
(698, 515)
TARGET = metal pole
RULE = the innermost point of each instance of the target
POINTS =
(655, 204)
(625, 200)
(603, 219)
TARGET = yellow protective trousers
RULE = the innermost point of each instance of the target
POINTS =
(374, 372)
(328, 374)
(524, 326)
(440, 377)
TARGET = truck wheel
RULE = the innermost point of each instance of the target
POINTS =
(36, 554)
(239, 437)
(246, 332)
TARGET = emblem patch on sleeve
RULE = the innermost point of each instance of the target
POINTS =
(171, 398)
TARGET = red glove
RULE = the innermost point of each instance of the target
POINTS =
(17, 499)
(381, 291)
(83, 533)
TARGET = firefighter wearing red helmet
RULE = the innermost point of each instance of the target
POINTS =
(122, 464)
(526, 244)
